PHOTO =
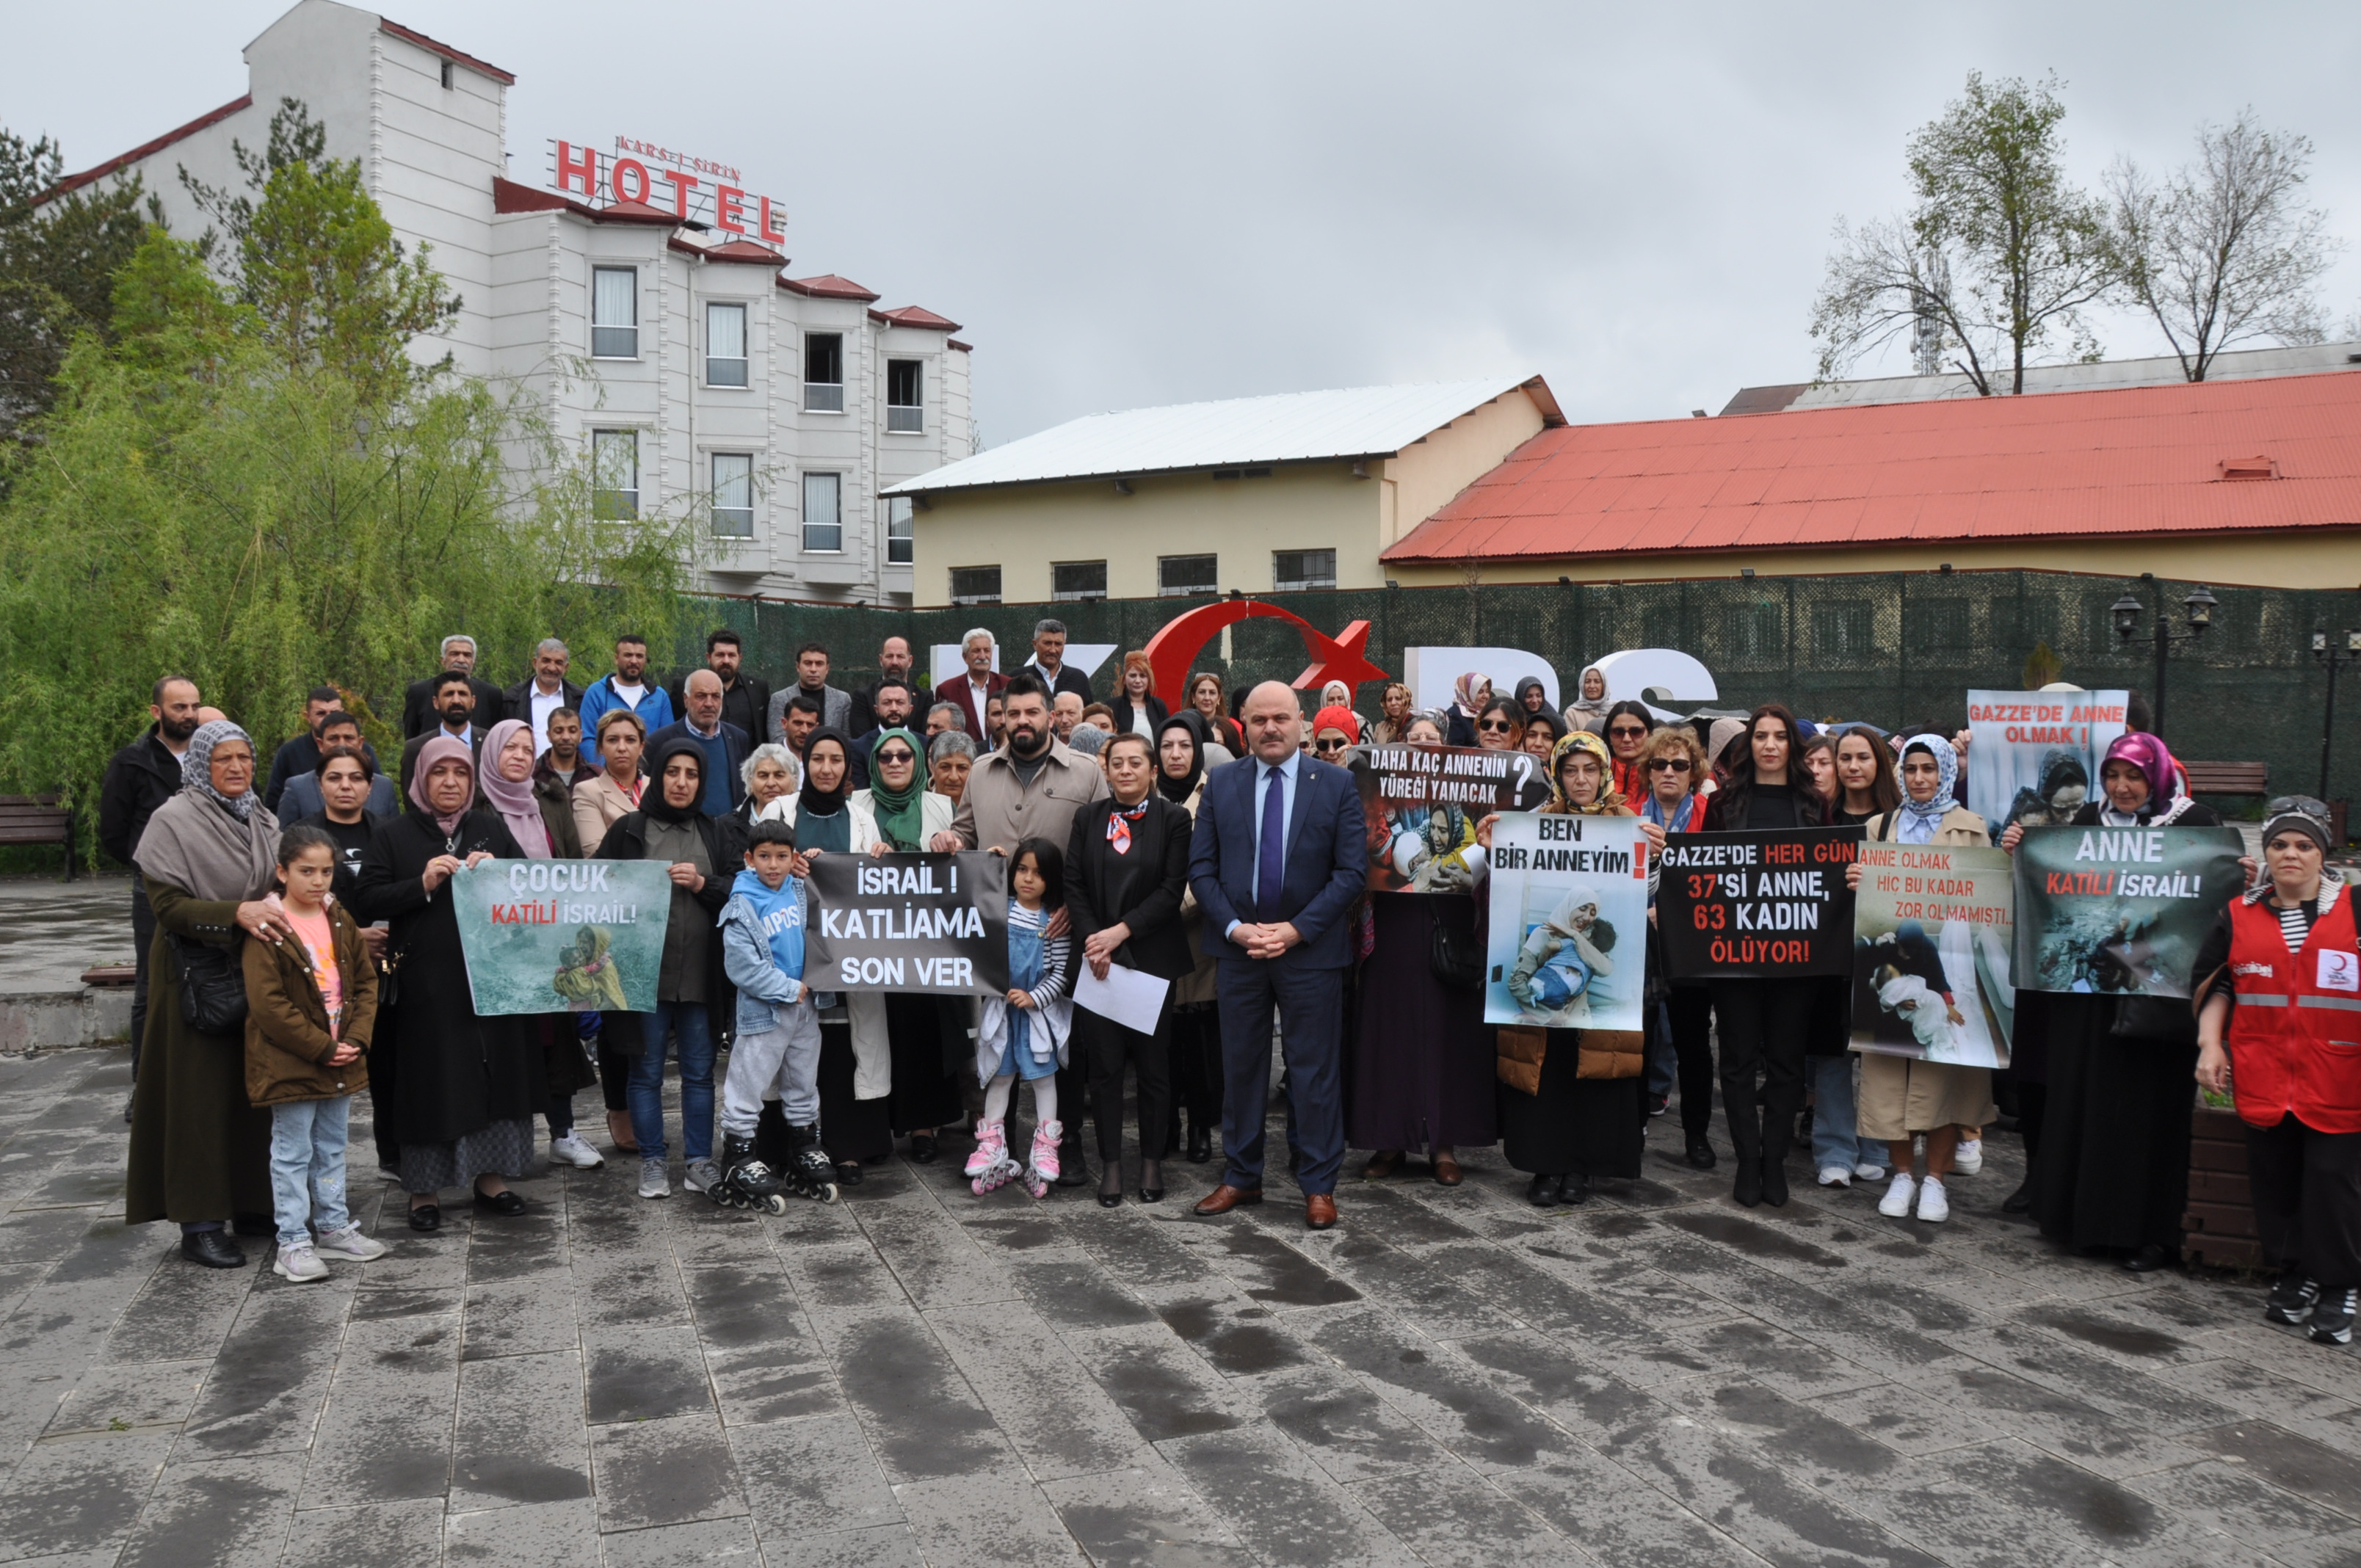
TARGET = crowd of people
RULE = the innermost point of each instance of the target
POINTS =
(298, 946)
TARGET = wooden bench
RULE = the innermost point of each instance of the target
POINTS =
(38, 819)
(2228, 778)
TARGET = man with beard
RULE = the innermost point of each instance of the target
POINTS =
(543, 692)
(418, 705)
(1032, 788)
(893, 663)
(143, 776)
(626, 686)
(811, 681)
(455, 701)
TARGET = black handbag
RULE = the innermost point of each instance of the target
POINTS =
(212, 985)
(1455, 956)
(2159, 1020)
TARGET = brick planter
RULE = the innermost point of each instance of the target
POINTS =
(2220, 1224)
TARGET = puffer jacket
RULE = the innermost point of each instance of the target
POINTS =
(1604, 1053)
(287, 1039)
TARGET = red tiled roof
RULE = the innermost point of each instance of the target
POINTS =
(962, 347)
(2131, 461)
(508, 196)
(828, 286)
(916, 315)
(147, 148)
(505, 78)
(745, 250)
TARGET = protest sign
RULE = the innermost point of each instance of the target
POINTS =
(2033, 756)
(929, 922)
(548, 936)
(2120, 910)
(1933, 934)
(1421, 804)
(1569, 946)
(1756, 906)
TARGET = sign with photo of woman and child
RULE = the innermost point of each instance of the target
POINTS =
(549, 935)
(1422, 804)
(1934, 933)
(2120, 910)
(2034, 756)
(1569, 922)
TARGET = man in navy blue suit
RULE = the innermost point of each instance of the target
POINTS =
(1277, 860)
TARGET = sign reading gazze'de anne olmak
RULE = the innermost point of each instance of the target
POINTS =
(696, 189)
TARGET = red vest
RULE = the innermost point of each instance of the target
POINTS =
(2295, 1037)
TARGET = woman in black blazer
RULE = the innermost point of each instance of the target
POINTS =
(1127, 869)
(1135, 699)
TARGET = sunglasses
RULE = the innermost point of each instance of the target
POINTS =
(1496, 727)
(1668, 765)
(897, 755)
(1330, 745)
(1625, 732)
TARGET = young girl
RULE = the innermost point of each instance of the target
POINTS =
(1024, 1033)
(310, 1003)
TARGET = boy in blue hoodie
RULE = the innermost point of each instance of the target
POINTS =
(777, 1043)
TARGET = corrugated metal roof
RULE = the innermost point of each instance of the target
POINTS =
(1291, 427)
(2143, 460)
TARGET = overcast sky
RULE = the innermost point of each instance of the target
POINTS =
(1128, 206)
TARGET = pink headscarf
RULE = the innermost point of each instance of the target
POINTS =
(512, 800)
(443, 748)
(2148, 754)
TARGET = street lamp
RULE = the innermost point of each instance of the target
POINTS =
(2329, 658)
(2198, 606)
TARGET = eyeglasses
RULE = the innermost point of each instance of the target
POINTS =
(1626, 733)
(2303, 802)
(1495, 725)
(1330, 745)
(1668, 765)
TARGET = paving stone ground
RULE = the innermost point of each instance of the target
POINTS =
(917, 1375)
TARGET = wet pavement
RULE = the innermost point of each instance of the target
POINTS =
(917, 1375)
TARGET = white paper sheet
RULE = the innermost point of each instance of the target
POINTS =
(1126, 996)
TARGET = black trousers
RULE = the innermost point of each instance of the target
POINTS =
(1691, 1007)
(1764, 1026)
(1194, 1046)
(143, 937)
(2307, 1191)
(614, 1075)
(1107, 1048)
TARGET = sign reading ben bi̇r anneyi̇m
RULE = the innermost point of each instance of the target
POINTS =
(550, 936)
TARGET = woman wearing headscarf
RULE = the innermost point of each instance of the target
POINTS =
(1469, 695)
(540, 818)
(1394, 706)
(856, 1059)
(692, 993)
(2113, 1172)
(1588, 709)
(899, 814)
(1569, 1098)
(1627, 728)
(1334, 731)
(200, 1151)
(453, 1095)
(1904, 1097)
(1531, 697)
(1196, 1031)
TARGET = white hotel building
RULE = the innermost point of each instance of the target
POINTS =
(714, 380)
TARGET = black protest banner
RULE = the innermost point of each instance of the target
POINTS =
(929, 922)
(1757, 906)
(1421, 806)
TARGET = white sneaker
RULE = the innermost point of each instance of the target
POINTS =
(1970, 1156)
(701, 1176)
(299, 1264)
(1868, 1171)
(349, 1243)
(1896, 1203)
(1835, 1176)
(653, 1182)
(571, 1150)
(1933, 1207)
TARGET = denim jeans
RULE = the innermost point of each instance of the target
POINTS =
(1833, 1138)
(693, 1024)
(307, 1166)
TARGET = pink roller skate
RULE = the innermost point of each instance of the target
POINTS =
(1043, 1172)
(989, 1167)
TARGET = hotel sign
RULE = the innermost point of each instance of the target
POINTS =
(696, 190)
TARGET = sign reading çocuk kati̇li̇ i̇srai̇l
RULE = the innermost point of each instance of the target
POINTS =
(1421, 804)
(927, 923)
(546, 935)
(2119, 910)
(1756, 906)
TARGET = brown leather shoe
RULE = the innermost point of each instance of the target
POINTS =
(1447, 1171)
(1382, 1164)
(1225, 1198)
(1319, 1211)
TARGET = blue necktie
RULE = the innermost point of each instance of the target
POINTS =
(1270, 859)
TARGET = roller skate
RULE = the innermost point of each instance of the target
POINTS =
(746, 1182)
(1042, 1174)
(809, 1172)
(989, 1167)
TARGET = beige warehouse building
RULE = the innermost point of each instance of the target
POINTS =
(1262, 494)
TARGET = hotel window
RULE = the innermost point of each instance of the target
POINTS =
(615, 474)
(904, 411)
(1180, 576)
(975, 585)
(733, 495)
(1078, 579)
(823, 512)
(614, 313)
(824, 372)
(901, 533)
(725, 346)
(1293, 571)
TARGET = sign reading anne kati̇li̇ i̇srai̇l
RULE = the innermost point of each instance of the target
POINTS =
(926, 923)
(1756, 906)
(1569, 925)
(548, 936)
(2119, 910)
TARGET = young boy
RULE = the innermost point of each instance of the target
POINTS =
(777, 1043)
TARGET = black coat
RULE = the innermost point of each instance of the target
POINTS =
(864, 703)
(1070, 679)
(725, 850)
(143, 776)
(745, 702)
(517, 701)
(1157, 712)
(1141, 889)
(451, 1071)
(418, 715)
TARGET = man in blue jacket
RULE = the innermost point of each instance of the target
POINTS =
(1276, 862)
(627, 687)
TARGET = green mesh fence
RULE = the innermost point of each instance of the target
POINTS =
(1891, 648)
